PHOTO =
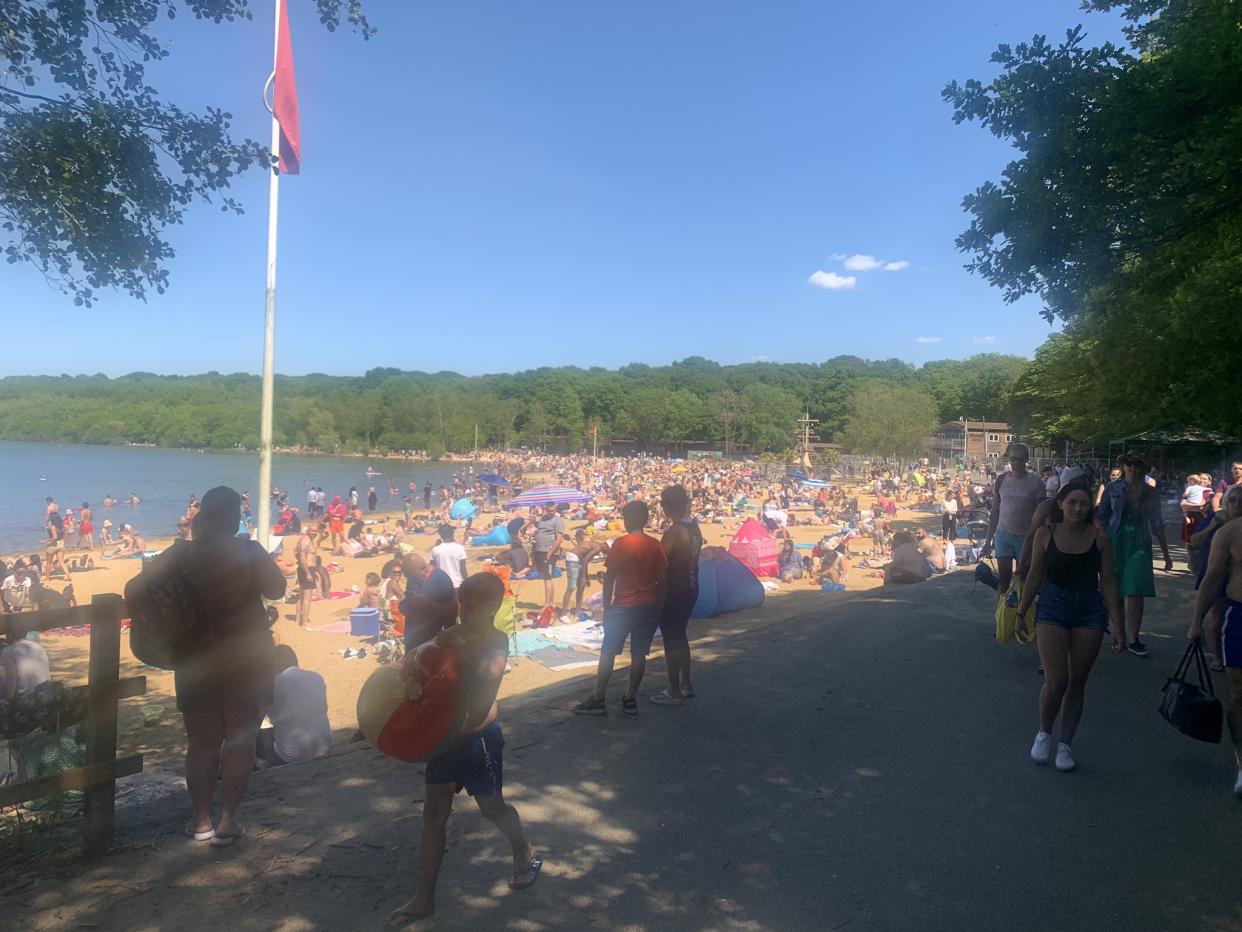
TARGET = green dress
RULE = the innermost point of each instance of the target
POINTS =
(1132, 554)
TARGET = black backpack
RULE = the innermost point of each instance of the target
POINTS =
(166, 607)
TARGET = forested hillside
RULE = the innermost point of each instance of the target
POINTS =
(752, 406)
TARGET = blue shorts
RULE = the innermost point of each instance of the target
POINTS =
(474, 763)
(573, 571)
(1231, 635)
(1065, 608)
(1005, 544)
(637, 622)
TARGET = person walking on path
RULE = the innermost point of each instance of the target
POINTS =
(1130, 513)
(682, 543)
(1224, 573)
(475, 760)
(635, 578)
(1073, 574)
(1015, 496)
(223, 671)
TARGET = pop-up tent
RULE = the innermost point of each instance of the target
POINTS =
(725, 585)
(756, 548)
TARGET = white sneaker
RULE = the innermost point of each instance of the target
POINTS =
(1041, 750)
(1237, 786)
(1065, 760)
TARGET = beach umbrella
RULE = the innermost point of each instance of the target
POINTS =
(797, 474)
(548, 495)
(490, 478)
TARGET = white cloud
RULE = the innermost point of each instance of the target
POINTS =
(898, 266)
(832, 281)
(986, 341)
(860, 263)
(762, 359)
(928, 339)
(837, 256)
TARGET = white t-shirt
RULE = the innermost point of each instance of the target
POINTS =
(1194, 494)
(299, 714)
(1052, 485)
(449, 556)
(16, 593)
(26, 664)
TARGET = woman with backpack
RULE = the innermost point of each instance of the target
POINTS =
(1073, 574)
(222, 657)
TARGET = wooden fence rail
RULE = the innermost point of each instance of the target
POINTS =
(105, 689)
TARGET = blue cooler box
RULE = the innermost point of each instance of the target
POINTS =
(364, 622)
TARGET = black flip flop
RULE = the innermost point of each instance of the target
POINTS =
(536, 864)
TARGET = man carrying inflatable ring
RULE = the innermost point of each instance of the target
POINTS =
(445, 712)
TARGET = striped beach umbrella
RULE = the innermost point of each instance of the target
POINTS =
(548, 495)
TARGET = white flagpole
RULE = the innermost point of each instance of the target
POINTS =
(264, 492)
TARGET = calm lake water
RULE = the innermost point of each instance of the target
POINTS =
(165, 479)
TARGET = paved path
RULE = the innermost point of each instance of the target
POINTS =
(863, 767)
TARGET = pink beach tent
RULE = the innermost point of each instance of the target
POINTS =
(756, 549)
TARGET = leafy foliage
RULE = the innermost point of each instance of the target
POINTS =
(1122, 214)
(754, 407)
(95, 164)
(889, 420)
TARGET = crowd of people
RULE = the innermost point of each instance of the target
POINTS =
(1074, 562)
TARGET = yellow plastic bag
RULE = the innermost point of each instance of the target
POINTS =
(1007, 616)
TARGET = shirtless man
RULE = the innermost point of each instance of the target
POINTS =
(304, 554)
(474, 762)
(1224, 570)
(931, 550)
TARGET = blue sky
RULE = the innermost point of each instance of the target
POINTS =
(497, 186)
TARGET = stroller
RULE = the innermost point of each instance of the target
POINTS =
(977, 523)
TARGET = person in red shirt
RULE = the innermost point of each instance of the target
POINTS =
(635, 577)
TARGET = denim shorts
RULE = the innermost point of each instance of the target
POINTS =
(637, 622)
(1005, 544)
(1066, 608)
(573, 570)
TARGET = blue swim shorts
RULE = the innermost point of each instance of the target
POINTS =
(474, 763)
(1231, 635)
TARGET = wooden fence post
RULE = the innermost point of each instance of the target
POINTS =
(101, 719)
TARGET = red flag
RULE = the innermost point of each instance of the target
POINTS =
(285, 98)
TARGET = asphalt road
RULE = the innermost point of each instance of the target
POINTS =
(862, 767)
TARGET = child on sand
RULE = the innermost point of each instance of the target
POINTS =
(370, 595)
(474, 762)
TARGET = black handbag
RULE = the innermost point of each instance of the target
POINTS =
(1193, 709)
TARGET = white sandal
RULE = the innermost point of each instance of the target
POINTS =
(664, 697)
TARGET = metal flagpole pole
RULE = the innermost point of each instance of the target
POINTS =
(269, 317)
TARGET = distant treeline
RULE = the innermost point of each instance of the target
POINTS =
(749, 407)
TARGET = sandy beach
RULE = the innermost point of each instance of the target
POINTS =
(162, 744)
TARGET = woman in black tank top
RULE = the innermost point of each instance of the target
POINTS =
(1072, 574)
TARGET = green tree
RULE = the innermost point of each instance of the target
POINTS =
(95, 164)
(1122, 214)
(889, 420)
